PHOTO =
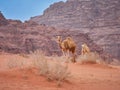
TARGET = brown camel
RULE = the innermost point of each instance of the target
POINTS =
(67, 46)
(85, 49)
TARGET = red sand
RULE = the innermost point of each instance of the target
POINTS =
(84, 77)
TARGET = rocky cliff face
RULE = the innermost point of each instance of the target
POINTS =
(18, 37)
(99, 18)
(82, 13)
(3, 20)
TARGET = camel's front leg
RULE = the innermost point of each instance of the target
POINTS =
(63, 52)
(68, 53)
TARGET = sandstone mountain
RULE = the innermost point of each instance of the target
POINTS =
(3, 21)
(100, 19)
(18, 37)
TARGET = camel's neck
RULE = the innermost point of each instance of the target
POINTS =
(60, 44)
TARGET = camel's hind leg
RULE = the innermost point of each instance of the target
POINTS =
(73, 58)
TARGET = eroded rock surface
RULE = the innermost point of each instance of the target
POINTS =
(99, 18)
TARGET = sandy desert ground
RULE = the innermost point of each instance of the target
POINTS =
(83, 77)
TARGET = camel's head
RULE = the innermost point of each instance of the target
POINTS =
(83, 45)
(69, 38)
(59, 39)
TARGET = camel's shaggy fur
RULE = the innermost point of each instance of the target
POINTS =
(67, 46)
(85, 49)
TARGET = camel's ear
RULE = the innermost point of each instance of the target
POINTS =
(85, 44)
(69, 38)
(82, 45)
(59, 38)
(56, 39)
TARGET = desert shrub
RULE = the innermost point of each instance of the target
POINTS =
(23, 55)
(12, 63)
(39, 61)
(107, 58)
(16, 63)
(58, 71)
(91, 58)
(51, 69)
(61, 58)
(115, 62)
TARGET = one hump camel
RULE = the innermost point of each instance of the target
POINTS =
(85, 49)
(67, 46)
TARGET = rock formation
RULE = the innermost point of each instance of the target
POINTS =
(75, 14)
(3, 20)
(18, 37)
(100, 19)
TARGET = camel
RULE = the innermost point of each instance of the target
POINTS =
(67, 46)
(85, 49)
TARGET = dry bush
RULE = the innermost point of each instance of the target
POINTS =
(91, 58)
(58, 71)
(115, 62)
(16, 63)
(39, 61)
(107, 58)
(63, 59)
(24, 55)
(52, 69)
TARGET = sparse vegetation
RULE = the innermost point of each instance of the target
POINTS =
(91, 58)
(23, 55)
(62, 59)
(52, 69)
(115, 62)
(16, 63)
